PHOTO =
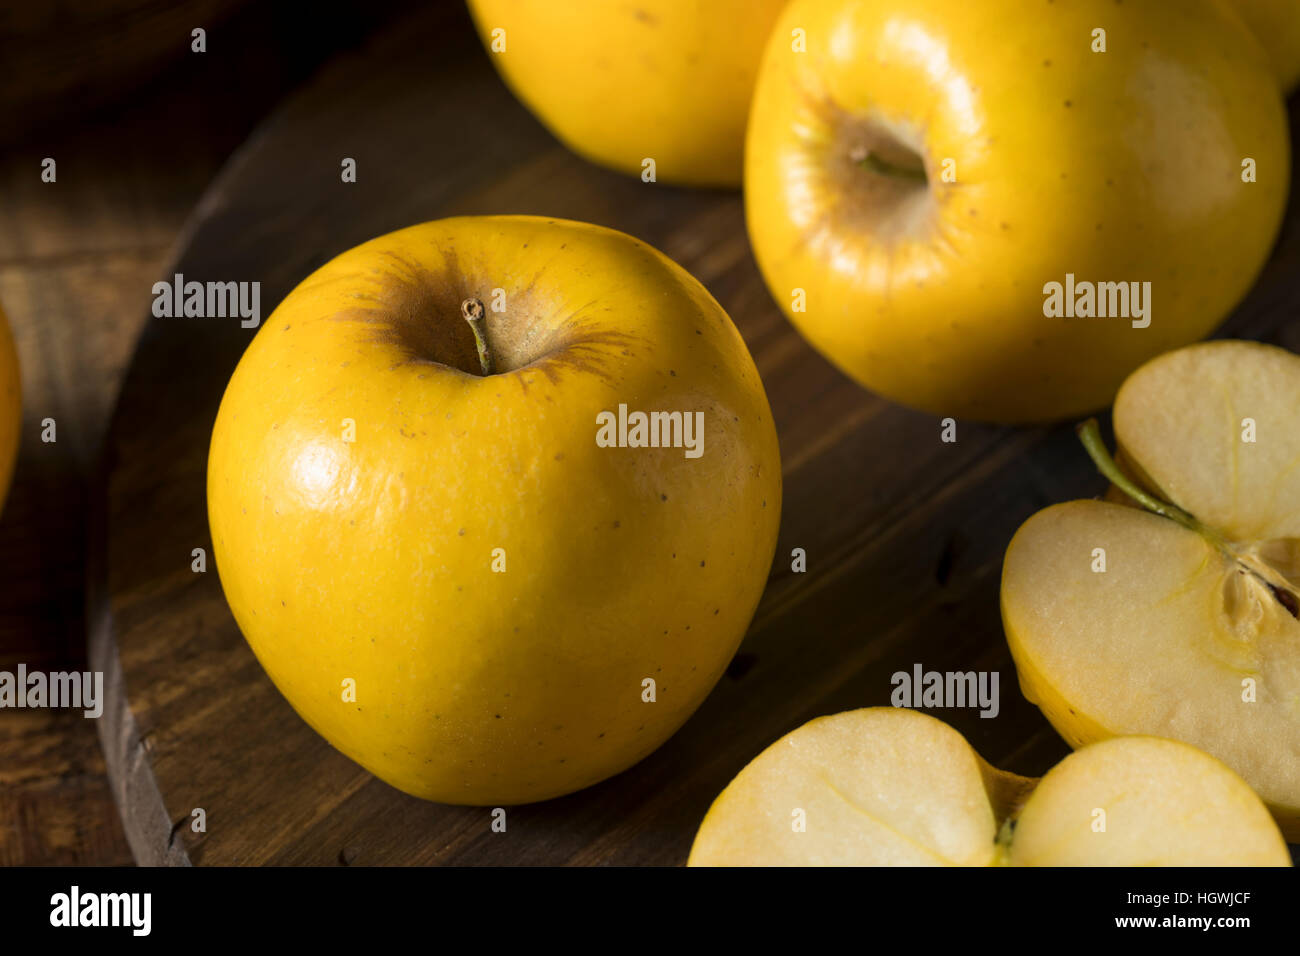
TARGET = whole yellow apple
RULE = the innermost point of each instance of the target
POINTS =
(497, 560)
(986, 211)
(1276, 23)
(11, 406)
(619, 83)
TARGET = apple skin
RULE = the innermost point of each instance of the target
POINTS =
(11, 407)
(1276, 24)
(666, 79)
(372, 559)
(1117, 166)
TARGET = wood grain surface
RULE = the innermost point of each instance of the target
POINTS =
(904, 533)
(77, 260)
(60, 59)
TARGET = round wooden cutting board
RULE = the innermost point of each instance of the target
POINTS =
(904, 533)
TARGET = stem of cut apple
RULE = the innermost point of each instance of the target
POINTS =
(473, 311)
(884, 167)
(1090, 434)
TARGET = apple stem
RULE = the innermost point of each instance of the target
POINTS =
(1090, 434)
(473, 311)
(884, 167)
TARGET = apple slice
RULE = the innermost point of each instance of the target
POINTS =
(889, 787)
(1178, 620)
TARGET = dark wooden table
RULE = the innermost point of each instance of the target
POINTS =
(92, 84)
(77, 259)
(904, 533)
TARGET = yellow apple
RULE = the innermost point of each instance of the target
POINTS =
(1276, 23)
(917, 179)
(451, 575)
(620, 83)
(887, 787)
(11, 406)
(1178, 618)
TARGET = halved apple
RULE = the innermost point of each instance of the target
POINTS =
(1177, 617)
(890, 787)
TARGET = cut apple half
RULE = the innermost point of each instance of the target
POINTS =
(891, 787)
(1170, 609)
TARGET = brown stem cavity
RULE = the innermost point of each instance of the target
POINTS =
(878, 173)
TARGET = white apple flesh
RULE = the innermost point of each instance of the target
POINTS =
(892, 787)
(1122, 621)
